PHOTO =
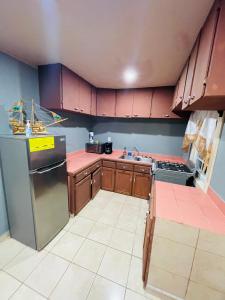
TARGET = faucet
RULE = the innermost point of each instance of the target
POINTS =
(136, 150)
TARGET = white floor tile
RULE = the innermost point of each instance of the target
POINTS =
(70, 223)
(8, 285)
(25, 293)
(127, 223)
(130, 295)
(109, 218)
(135, 282)
(138, 245)
(103, 289)
(90, 255)
(75, 284)
(68, 246)
(115, 266)
(101, 233)
(45, 277)
(9, 248)
(122, 240)
(24, 263)
(92, 213)
(82, 226)
(55, 240)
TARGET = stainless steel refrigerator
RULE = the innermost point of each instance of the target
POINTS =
(35, 184)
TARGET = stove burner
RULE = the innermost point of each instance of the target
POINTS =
(177, 167)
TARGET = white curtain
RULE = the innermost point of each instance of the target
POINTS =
(200, 132)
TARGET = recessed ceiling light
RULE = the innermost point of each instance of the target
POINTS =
(130, 75)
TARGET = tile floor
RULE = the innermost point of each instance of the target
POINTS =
(97, 256)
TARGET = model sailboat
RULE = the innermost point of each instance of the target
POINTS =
(40, 118)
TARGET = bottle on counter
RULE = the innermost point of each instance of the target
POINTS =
(28, 129)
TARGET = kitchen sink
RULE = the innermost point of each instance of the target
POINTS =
(137, 158)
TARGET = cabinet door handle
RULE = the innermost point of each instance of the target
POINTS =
(103, 114)
(167, 116)
(82, 109)
(135, 115)
(76, 108)
(127, 116)
(181, 98)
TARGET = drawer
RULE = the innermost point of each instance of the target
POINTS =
(109, 164)
(142, 169)
(95, 166)
(82, 174)
(123, 166)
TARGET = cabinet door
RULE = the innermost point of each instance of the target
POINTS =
(85, 96)
(82, 193)
(108, 179)
(106, 102)
(93, 101)
(96, 182)
(215, 82)
(141, 185)
(142, 99)
(70, 90)
(181, 85)
(203, 57)
(124, 103)
(162, 103)
(123, 182)
(147, 247)
(190, 74)
(50, 86)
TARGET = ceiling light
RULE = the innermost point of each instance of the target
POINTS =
(130, 75)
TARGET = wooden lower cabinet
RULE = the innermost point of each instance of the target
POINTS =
(108, 179)
(147, 246)
(96, 182)
(123, 184)
(82, 193)
(141, 185)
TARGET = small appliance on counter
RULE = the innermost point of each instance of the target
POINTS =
(108, 146)
(174, 172)
(98, 148)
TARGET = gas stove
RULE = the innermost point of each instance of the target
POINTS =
(174, 172)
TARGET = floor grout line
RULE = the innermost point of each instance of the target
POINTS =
(120, 212)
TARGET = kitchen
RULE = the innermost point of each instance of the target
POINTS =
(123, 197)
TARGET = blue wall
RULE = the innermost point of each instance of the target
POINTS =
(218, 176)
(153, 135)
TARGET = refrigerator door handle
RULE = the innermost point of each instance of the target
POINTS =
(48, 169)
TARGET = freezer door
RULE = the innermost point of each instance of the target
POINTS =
(48, 155)
(50, 201)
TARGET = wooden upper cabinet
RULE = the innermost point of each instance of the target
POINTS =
(61, 88)
(181, 85)
(93, 101)
(70, 90)
(162, 103)
(142, 99)
(190, 75)
(106, 102)
(84, 96)
(204, 55)
(124, 103)
(50, 87)
(215, 81)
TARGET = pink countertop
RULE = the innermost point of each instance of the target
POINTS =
(78, 160)
(188, 205)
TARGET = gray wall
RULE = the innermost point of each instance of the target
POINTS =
(17, 80)
(156, 136)
(218, 176)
